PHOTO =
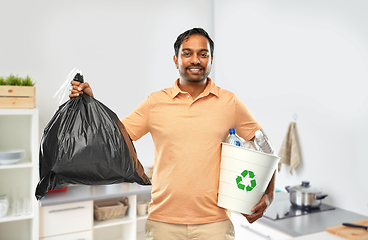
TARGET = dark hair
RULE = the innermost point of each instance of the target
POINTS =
(186, 34)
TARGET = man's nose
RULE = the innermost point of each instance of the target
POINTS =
(195, 59)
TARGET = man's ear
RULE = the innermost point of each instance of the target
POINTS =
(175, 59)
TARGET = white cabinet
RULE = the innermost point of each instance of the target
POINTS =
(256, 230)
(66, 218)
(121, 228)
(127, 228)
(64, 221)
(19, 130)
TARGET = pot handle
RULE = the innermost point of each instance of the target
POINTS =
(287, 189)
(320, 197)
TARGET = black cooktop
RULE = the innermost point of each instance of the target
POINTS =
(283, 209)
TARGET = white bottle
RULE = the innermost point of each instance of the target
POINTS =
(263, 143)
(234, 139)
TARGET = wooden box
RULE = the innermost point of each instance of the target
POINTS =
(17, 96)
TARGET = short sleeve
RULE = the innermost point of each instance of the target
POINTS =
(246, 124)
(136, 122)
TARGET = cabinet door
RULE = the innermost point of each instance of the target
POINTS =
(87, 235)
(66, 218)
(255, 231)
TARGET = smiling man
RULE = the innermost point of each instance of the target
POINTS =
(193, 59)
(187, 123)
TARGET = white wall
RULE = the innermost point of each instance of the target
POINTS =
(123, 47)
(306, 57)
(309, 58)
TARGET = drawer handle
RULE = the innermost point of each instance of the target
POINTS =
(256, 232)
(66, 209)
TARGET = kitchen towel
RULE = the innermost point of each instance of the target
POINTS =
(289, 150)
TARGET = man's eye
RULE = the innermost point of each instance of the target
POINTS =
(185, 54)
(204, 55)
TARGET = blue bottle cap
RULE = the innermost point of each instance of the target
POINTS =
(232, 130)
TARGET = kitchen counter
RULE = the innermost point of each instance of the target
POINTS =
(306, 227)
(80, 193)
(310, 223)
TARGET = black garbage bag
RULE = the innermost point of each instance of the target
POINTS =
(85, 143)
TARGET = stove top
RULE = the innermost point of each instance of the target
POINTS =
(283, 209)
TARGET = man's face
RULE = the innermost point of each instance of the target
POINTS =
(194, 59)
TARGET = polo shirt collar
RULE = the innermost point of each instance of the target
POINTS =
(210, 88)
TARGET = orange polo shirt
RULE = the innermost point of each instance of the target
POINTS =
(187, 135)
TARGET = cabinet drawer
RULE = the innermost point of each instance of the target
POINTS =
(66, 218)
(87, 235)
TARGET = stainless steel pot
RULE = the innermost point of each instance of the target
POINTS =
(305, 196)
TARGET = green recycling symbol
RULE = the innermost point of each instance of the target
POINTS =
(252, 181)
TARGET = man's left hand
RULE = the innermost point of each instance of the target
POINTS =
(258, 209)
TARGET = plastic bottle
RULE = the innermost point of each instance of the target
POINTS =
(234, 139)
(263, 143)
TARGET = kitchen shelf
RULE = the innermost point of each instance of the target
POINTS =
(19, 130)
(121, 228)
(10, 218)
(18, 111)
(113, 222)
(17, 165)
(129, 227)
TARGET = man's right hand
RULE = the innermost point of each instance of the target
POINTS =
(80, 88)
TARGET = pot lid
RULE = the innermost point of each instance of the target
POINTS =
(306, 188)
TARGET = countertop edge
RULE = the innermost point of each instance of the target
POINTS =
(279, 227)
(81, 193)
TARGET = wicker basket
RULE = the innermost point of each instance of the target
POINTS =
(110, 210)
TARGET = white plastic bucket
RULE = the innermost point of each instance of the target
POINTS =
(244, 177)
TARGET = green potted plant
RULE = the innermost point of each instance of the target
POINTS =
(17, 92)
